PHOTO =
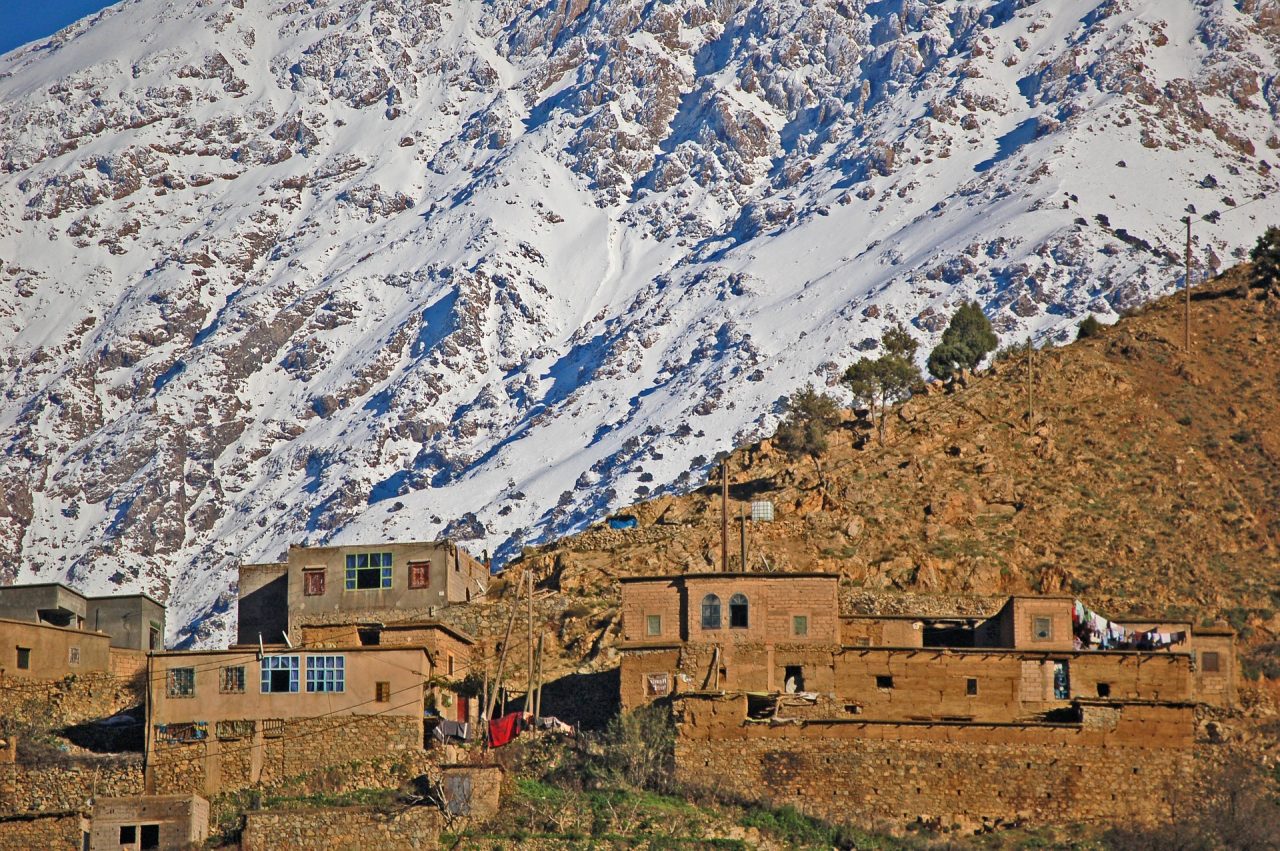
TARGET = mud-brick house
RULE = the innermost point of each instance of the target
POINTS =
(225, 719)
(782, 633)
(1065, 715)
(39, 651)
(349, 584)
(449, 655)
(145, 822)
(133, 621)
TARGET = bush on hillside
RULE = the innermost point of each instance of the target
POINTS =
(966, 341)
(1088, 327)
(1266, 262)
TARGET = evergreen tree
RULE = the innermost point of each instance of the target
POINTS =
(1266, 262)
(810, 416)
(965, 343)
(888, 378)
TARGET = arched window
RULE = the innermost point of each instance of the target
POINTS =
(711, 612)
(738, 612)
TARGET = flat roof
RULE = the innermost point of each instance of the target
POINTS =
(41, 625)
(436, 543)
(285, 650)
(410, 624)
(65, 587)
(730, 575)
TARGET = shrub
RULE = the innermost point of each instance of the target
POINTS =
(966, 341)
(1089, 327)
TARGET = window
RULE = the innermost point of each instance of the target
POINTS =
(180, 682)
(657, 685)
(884, 681)
(279, 674)
(653, 624)
(73, 656)
(419, 574)
(450, 667)
(1210, 662)
(366, 571)
(231, 680)
(793, 679)
(153, 637)
(24, 658)
(325, 673)
(971, 687)
(150, 836)
(272, 728)
(738, 612)
(128, 834)
(799, 625)
(711, 612)
(1042, 629)
(382, 692)
(1104, 689)
(313, 582)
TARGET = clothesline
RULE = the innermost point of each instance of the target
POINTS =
(1093, 631)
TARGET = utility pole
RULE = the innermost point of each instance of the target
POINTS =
(1186, 323)
(724, 515)
(502, 657)
(742, 536)
(1031, 406)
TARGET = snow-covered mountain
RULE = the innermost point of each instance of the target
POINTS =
(303, 270)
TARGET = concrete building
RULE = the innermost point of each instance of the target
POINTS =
(43, 652)
(133, 621)
(227, 719)
(375, 583)
(148, 822)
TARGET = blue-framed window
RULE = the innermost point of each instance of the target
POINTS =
(326, 673)
(368, 571)
(279, 674)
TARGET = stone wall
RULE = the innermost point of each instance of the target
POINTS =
(1114, 769)
(25, 789)
(263, 752)
(71, 700)
(47, 831)
(341, 827)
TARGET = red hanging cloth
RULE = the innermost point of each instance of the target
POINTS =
(504, 729)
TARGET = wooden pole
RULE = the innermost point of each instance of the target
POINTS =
(742, 536)
(528, 695)
(1186, 318)
(502, 657)
(537, 701)
(1031, 406)
(724, 516)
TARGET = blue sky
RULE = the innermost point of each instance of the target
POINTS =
(22, 21)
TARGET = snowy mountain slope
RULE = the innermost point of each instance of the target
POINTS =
(302, 271)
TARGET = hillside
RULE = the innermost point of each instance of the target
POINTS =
(345, 271)
(1148, 482)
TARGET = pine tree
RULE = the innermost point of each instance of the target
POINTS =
(810, 416)
(888, 378)
(1266, 262)
(967, 340)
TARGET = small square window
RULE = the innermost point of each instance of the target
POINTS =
(653, 625)
(128, 834)
(150, 837)
(1104, 689)
(180, 682)
(1210, 662)
(800, 625)
(73, 656)
(382, 692)
(971, 686)
(24, 658)
(419, 574)
(231, 680)
(1042, 629)
(272, 728)
(884, 681)
(313, 582)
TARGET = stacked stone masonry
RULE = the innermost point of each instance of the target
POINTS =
(341, 827)
(34, 789)
(47, 831)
